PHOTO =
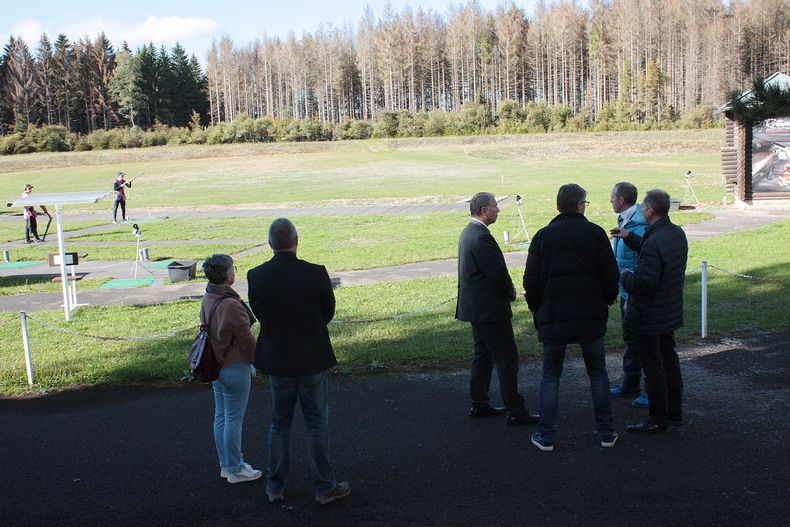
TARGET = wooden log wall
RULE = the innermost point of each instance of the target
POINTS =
(729, 157)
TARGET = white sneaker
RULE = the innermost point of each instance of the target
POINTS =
(609, 439)
(246, 473)
(223, 471)
(114, 222)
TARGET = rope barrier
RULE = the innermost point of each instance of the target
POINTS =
(116, 339)
(171, 334)
(749, 277)
(394, 317)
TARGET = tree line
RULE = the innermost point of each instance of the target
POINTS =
(86, 86)
(630, 62)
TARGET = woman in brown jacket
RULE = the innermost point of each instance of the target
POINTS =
(234, 346)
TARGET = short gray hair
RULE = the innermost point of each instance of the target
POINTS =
(282, 234)
(480, 200)
(658, 200)
(217, 268)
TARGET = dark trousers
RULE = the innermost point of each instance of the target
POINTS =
(495, 344)
(662, 376)
(632, 368)
(122, 203)
(31, 228)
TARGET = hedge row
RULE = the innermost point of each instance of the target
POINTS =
(473, 119)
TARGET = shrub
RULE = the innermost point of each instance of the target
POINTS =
(48, 139)
(409, 125)
(436, 124)
(353, 129)
(475, 118)
(385, 124)
(699, 117)
(537, 117)
(13, 144)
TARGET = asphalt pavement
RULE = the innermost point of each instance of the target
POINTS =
(144, 455)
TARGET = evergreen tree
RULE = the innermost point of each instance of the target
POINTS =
(165, 91)
(6, 108)
(125, 86)
(64, 87)
(44, 74)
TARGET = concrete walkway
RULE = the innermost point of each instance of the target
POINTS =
(726, 221)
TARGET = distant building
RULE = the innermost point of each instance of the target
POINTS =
(755, 158)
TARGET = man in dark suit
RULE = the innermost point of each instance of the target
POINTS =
(569, 282)
(293, 301)
(485, 291)
(655, 309)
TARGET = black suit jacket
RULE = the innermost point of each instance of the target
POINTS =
(655, 287)
(485, 289)
(293, 301)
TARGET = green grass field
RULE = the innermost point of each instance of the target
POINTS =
(361, 172)
(426, 340)
(405, 170)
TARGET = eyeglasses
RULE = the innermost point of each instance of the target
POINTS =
(585, 202)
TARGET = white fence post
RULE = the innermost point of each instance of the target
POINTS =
(26, 341)
(704, 306)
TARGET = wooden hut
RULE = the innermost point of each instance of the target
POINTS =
(755, 157)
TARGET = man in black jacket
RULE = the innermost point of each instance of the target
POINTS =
(569, 283)
(485, 291)
(293, 301)
(655, 309)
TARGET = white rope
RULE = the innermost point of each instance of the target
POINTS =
(748, 277)
(102, 337)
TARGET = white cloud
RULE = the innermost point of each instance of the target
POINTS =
(159, 30)
(29, 29)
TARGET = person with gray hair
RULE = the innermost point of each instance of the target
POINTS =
(294, 302)
(229, 320)
(655, 309)
(485, 292)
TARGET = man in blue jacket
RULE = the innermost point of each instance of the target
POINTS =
(655, 309)
(630, 217)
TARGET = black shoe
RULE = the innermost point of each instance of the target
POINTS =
(477, 412)
(675, 423)
(647, 427)
(522, 419)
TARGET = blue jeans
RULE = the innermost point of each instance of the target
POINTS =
(231, 393)
(312, 391)
(122, 203)
(595, 362)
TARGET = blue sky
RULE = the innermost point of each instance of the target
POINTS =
(193, 23)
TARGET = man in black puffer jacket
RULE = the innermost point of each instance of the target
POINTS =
(569, 282)
(655, 309)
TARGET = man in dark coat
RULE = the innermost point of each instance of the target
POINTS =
(655, 309)
(485, 291)
(293, 301)
(569, 283)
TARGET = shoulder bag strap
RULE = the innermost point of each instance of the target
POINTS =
(211, 313)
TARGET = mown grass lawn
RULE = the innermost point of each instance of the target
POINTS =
(444, 169)
(427, 340)
(341, 243)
